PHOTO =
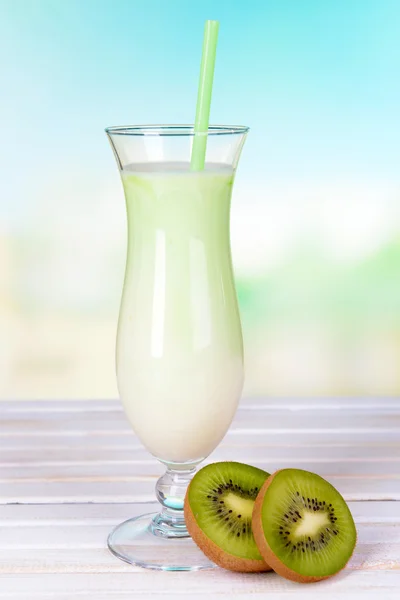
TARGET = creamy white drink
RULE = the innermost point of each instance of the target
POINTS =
(179, 345)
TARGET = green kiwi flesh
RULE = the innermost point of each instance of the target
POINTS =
(218, 510)
(305, 529)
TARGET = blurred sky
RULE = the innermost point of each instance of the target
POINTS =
(316, 80)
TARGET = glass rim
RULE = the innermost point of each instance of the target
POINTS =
(175, 130)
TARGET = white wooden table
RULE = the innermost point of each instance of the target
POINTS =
(70, 471)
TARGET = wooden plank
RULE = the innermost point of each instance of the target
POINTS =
(250, 452)
(247, 403)
(87, 471)
(166, 595)
(22, 515)
(95, 536)
(237, 439)
(87, 558)
(73, 405)
(200, 583)
(85, 442)
(124, 471)
(364, 404)
(139, 489)
(306, 436)
(280, 420)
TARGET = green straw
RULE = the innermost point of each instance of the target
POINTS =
(204, 95)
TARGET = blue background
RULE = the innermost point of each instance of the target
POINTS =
(315, 219)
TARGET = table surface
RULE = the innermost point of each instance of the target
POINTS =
(71, 471)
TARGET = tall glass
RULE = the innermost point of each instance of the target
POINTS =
(179, 343)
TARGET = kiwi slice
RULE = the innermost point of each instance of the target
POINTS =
(302, 526)
(218, 510)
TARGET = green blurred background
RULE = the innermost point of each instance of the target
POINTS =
(316, 207)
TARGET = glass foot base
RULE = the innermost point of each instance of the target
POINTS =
(140, 542)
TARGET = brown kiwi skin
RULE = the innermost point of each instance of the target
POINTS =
(215, 553)
(268, 555)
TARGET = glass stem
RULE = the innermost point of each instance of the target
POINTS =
(170, 491)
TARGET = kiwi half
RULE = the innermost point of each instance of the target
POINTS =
(218, 511)
(302, 526)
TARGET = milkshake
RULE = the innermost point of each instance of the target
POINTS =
(179, 344)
